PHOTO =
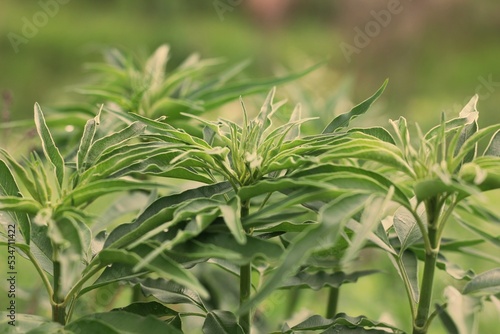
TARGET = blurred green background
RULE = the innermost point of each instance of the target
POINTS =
(437, 55)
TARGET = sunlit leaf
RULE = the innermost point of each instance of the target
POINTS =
(343, 120)
(49, 147)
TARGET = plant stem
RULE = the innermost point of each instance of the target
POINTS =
(333, 299)
(424, 303)
(58, 309)
(421, 322)
(245, 282)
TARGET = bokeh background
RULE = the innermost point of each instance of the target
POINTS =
(436, 54)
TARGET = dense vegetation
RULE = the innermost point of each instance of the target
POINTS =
(189, 224)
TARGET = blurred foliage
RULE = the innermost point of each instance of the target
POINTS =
(434, 54)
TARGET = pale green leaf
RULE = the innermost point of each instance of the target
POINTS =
(169, 292)
(493, 147)
(8, 187)
(221, 322)
(231, 212)
(487, 283)
(49, 147)
(112, 140)
(87, 139)
(462, 310)
(147, 308)
(343, 120)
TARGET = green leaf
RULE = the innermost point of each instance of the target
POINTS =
(49, 147)
(221, 322)
(410, 265)
(156, 65)
(19, 205)
(148, 308)
(374, 211)
(333, 217)
(87, 139)
(8, 187)
(487, 283)
(447, 321)
(129, 204)
(169, 292)
(22, 174)
(484, 233)
(223, 245)
(200, 213)
(406, 227)
(161, 264)
(442, 263)
(152, 216)
(343, 120)
(493, 147)
(470, 113)
(342, 323)
(68, 237)
(90, 192)
(112, 140)
(377, 132)
(426, 189)
(471, 142)
(322, 279)
(119, 322)
(462, 310)
(231, 212)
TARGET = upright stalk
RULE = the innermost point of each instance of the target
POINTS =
(245, 282)
(333, 299)
(58, 309)
(421, 322)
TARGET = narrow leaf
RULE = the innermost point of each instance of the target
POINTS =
(343, 120)
(487, 283)
(117, 138)
(232, 217)
(49, 147)
(8, 187)
(87, 139)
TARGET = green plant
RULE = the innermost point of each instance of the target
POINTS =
(155, 205)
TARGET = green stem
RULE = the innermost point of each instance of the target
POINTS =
(333, 299)
(421, 322)
(58, 309)
(245, 282)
